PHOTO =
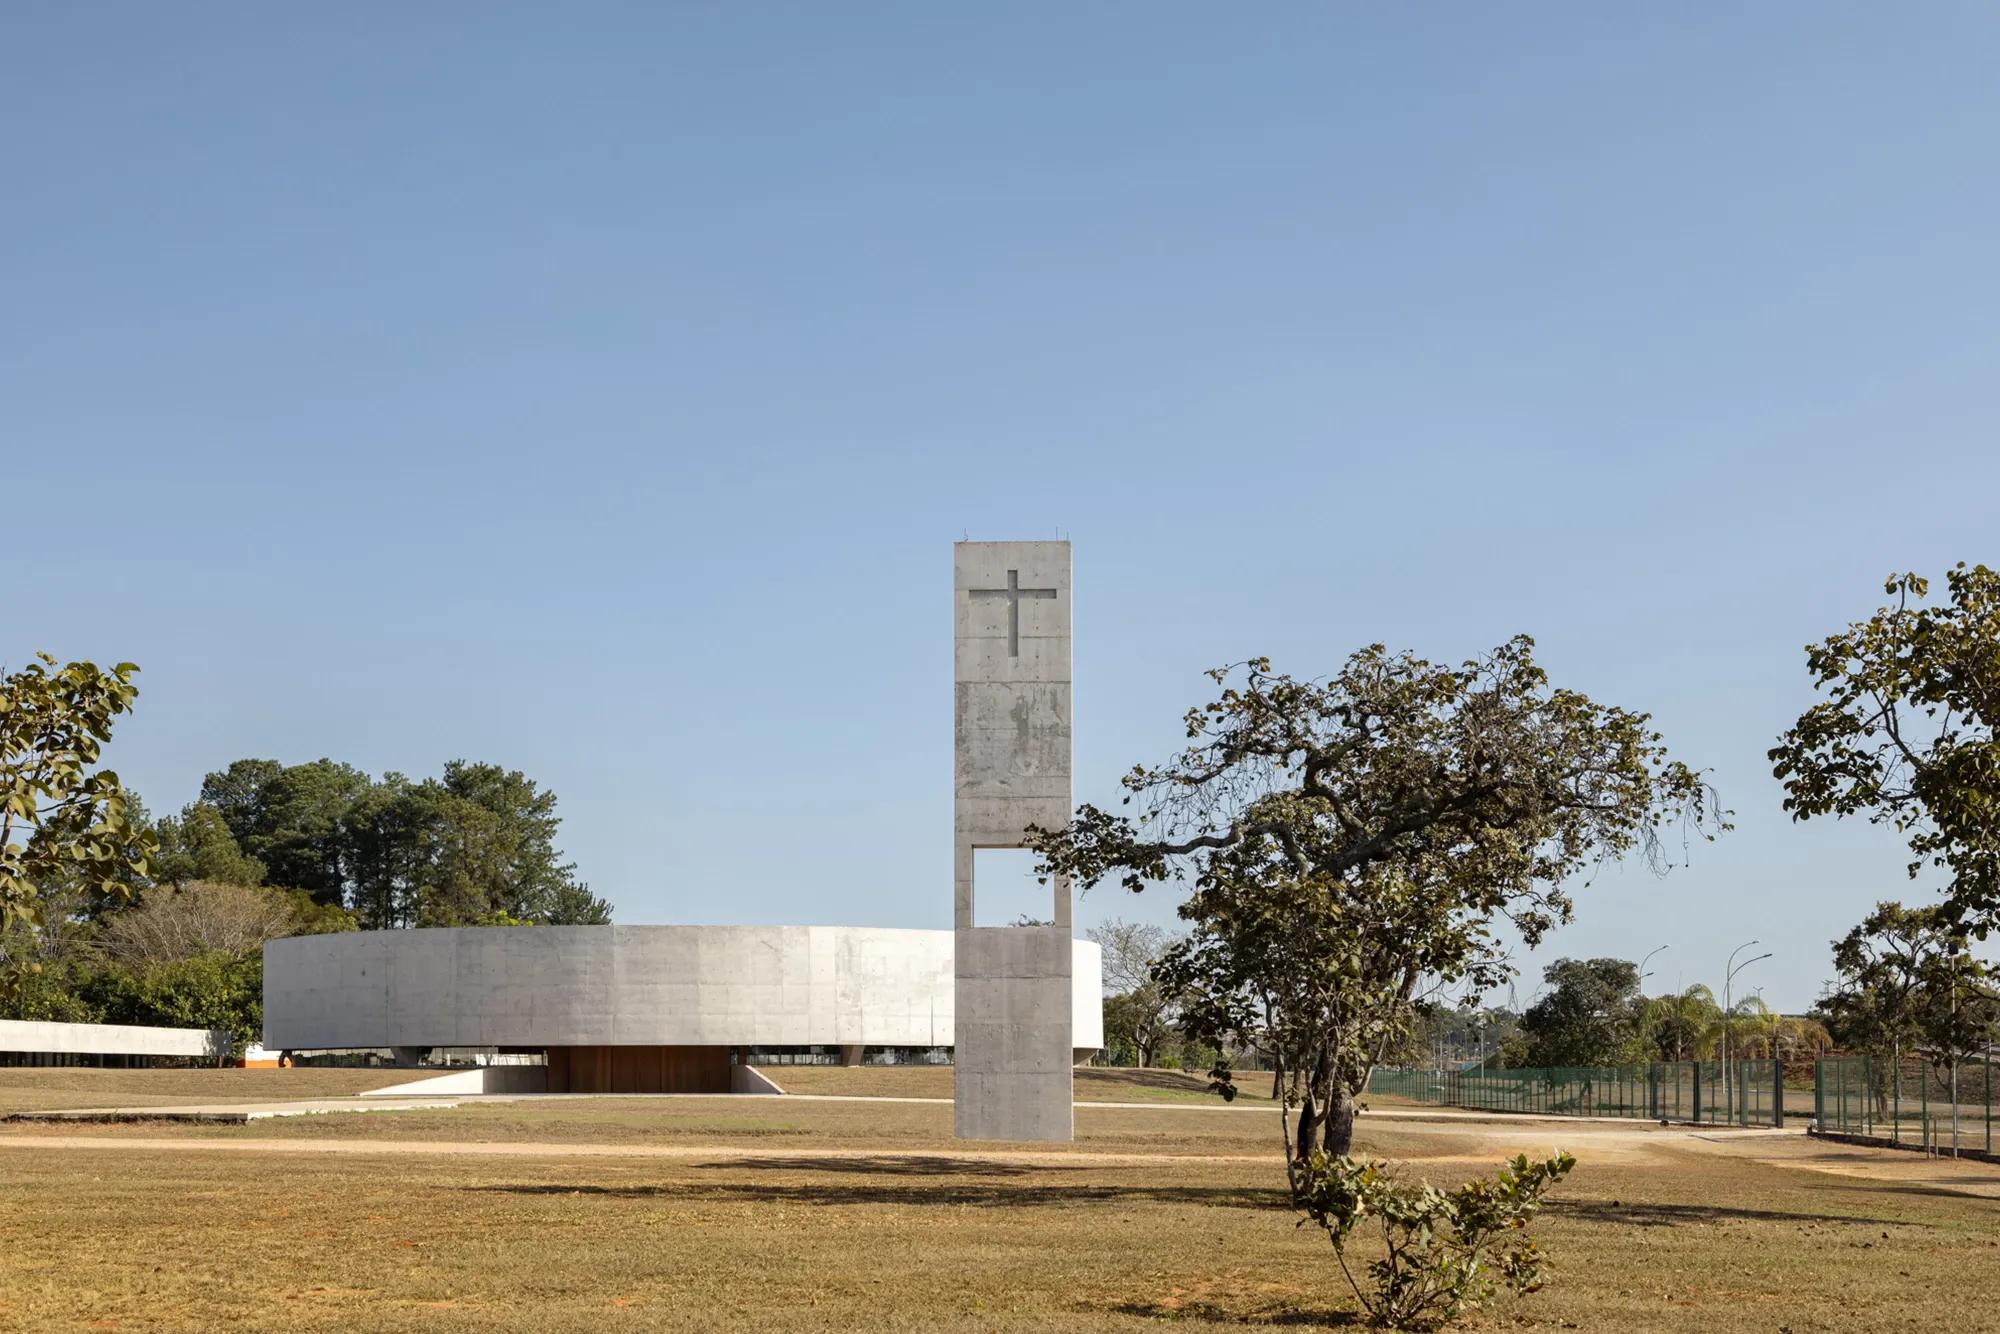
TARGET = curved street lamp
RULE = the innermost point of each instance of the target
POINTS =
(1644, 1007)
(1728, 976)
(1643, 974)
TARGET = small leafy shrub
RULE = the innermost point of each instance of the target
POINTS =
(1444, 1247)
(1222, 1080)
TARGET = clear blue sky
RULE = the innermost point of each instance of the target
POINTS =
(599, 389)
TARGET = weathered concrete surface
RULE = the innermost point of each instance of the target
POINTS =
(111, 1039)
(569, 986)
(1015, 1016)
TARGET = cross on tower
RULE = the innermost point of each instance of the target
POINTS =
(1013, 592)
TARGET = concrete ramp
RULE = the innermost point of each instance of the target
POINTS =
(519, 1079)
(479, 1079)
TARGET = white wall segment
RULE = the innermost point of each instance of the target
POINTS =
(111, 1039)
(564, 986)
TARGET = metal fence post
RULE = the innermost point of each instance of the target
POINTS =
(1896, 1102)
(1778, 1093)
(1696, 1118)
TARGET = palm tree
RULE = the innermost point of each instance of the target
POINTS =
(1754, 1029)
(1684, 1026)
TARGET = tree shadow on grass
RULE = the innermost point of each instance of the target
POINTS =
(1210, 1314)
(1175, 1080)
(932, 1165)
(947, 1186)
(1172, 1081)
(1920, 1189)
(1678, 1215)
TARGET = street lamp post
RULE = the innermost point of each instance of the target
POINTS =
(1728, 976)
(1951, 952)
(1643, 974)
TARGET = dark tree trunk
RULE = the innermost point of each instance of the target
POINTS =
(1307, 1142)
(1315, 1111)
(1338, 1128)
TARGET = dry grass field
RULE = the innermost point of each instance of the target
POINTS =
(712, 1214)
(26, 1090)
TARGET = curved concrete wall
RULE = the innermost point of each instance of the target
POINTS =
(579, 986)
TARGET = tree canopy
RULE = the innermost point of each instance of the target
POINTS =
(1906, 735)
(1591, 1015)
(198, 845)
(63, 820)
(181, 942)
(1348, 840)
(475, 845)
(1907, 984)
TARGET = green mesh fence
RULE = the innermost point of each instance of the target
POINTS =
(1743, 1093)
(1911, 1101)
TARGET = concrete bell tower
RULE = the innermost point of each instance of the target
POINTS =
(1012, 1026)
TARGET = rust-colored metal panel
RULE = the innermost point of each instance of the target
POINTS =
(638, 1069)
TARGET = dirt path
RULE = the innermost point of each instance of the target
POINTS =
(1419, 1137)
(1427, 1141)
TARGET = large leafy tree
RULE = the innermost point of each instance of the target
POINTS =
(493, 847)
(1906, 735)
(197, 845)
(1590, 1016)
(1908, 983)
(289, 818)
(1352, 840)
(63, 820)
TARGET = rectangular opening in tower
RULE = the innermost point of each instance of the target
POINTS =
(1005, 891)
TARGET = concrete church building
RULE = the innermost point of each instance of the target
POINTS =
(677, 1008)
(627, 1009)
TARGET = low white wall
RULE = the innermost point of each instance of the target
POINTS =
(574, 986)
(478, 1079)
(111, 1039)
(1086, 995)
(534, 1079)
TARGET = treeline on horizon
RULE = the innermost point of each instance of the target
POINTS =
(271, 850)
(473, 847)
